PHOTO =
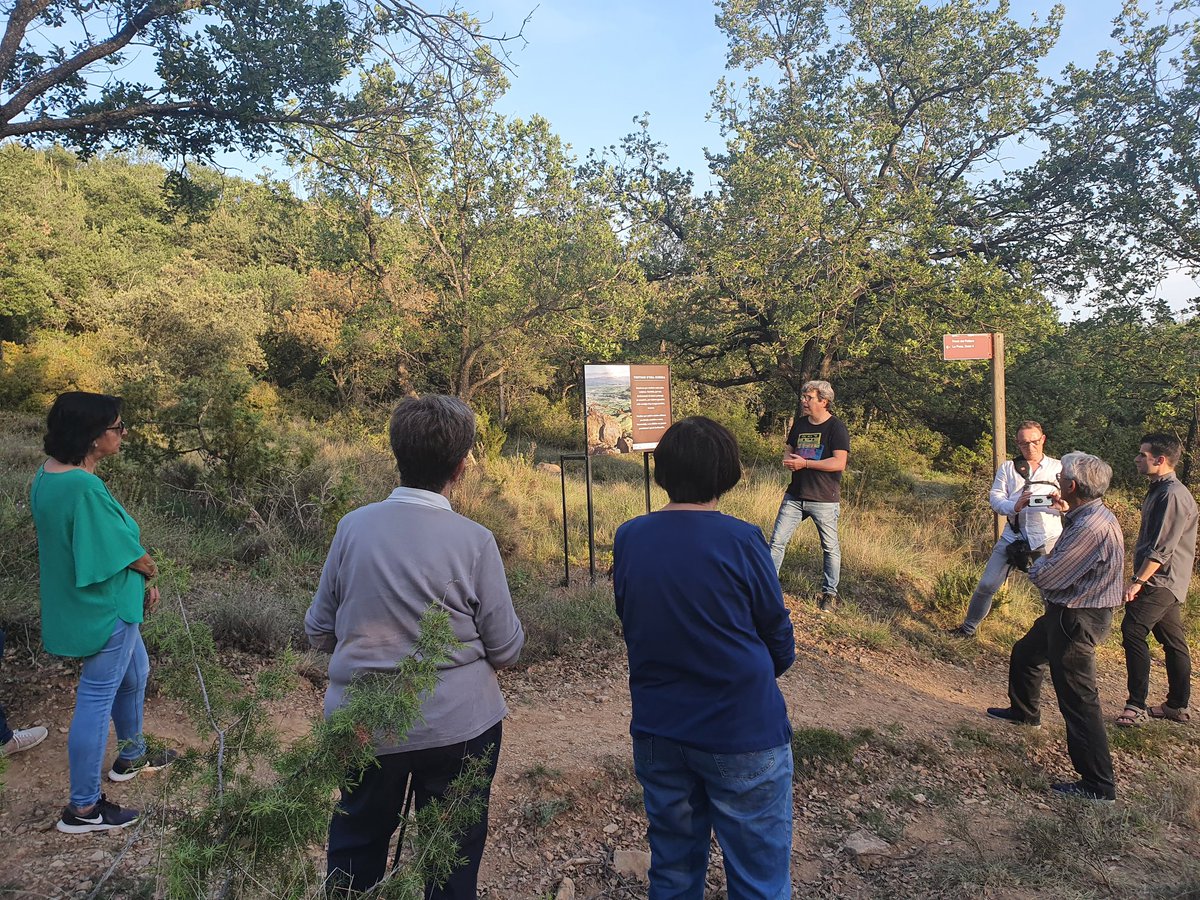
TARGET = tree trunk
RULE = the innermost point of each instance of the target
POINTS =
(810, 358)
(1189, 446)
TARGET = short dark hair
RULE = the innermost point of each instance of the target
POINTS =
(696, 461)
(75, 420)
(1163, 444)
(430, 436)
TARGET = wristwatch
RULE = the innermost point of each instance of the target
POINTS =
(1137, 580)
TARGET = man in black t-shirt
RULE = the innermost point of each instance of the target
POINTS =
(818, 447)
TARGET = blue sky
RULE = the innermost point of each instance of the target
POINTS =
(590, 67)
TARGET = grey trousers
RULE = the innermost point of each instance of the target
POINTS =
(995, 573)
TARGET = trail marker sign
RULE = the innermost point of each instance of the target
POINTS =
(966, 346)
(985, 346)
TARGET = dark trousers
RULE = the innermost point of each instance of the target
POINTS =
(360, 833)
(1064, 640)
(5, 731)
(1157, 612)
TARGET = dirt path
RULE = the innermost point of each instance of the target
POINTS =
(946, 787)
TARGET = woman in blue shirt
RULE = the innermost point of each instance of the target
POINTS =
(707, 635)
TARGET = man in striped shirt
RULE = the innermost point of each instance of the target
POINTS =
(1081, 584)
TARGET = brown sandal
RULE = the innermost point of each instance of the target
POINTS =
(1170, 713)
(1130, 716)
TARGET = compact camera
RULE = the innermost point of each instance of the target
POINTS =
(1041, 501)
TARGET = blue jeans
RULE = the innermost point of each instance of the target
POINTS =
(825, 516)
(745, 797)
(111, 685)
(995, 573)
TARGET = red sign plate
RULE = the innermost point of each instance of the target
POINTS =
(966, 346)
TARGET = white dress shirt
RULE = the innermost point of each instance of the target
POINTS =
(1040, 525)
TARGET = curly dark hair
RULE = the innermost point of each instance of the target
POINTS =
(75, 420)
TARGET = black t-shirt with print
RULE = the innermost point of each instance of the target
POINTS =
(817, 442)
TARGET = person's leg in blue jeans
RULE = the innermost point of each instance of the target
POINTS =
(751, 798)
(825, 516)
(130, 702)
(112, 685)
(680, 817)
(5, 732)
(791, 514)
(995, 573)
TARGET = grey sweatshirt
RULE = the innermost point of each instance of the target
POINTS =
(388, 562)
(1168, 535)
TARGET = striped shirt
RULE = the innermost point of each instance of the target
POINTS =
(1086, 568)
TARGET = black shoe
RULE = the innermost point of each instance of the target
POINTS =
(104, 816)
(961, 633)
(827, 602)
(124, 769)
(1079, 791)
(1008, 714)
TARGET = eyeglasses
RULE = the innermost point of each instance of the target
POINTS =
(1030, 443)
(120, 427)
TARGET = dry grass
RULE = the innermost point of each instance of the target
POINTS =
(910, 559)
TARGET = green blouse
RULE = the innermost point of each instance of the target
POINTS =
(86, 542)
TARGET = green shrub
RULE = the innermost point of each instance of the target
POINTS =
(953, 588)
(812, 747)
(969, 461)
(860, 627)
(557, 620)
(540, 813)
(33, 374)
(556, 425)
(883, 463)
(490, 437)
(739, 411)
(255, 618)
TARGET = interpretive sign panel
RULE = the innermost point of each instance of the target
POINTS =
(628, 406)
(966, 346)
(650, 400)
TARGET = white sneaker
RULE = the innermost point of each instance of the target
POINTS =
(24, 740)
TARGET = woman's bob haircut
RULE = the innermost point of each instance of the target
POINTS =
(430, 436)
(696, 461)
(76, 419)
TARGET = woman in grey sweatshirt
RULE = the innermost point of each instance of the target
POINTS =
(388, 563)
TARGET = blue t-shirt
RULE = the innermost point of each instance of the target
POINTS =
(706, 630)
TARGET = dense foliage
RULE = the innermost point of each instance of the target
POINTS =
(859, 216)
(193, 77)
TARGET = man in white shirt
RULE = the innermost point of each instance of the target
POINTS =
(1021, 494)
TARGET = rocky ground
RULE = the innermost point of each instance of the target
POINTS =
(903, 788)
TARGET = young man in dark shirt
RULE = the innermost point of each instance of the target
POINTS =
(818, 447)
(1162, 570)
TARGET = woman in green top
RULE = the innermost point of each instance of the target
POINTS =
(94, 590)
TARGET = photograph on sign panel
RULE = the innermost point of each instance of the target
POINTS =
(608, 400)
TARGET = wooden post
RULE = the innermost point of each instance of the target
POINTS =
(999, 426)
